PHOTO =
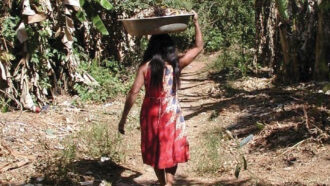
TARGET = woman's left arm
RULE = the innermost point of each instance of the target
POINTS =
(131, 97)
(192, 53)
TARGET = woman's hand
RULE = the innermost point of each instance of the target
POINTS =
(195, 19)
(121, 126)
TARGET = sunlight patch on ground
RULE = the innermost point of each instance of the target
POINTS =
(251, 84)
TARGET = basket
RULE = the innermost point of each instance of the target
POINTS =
(156, 25)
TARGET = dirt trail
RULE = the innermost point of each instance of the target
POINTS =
(194, 82)
(39, 136)
(238, 111)
(195, 88)
(285, 153)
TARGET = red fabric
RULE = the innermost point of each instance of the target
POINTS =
(163, 140)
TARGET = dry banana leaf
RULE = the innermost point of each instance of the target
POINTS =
(22, 35)
(47, 4)
(3, 72)
(26, 98)
(67, 39)
(36, 18)
(72, 2)
(27, 8)
(69, 24)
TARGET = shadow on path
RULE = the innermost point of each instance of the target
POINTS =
(183, 181)
(259, 108)
(94, 172)
(87, 172)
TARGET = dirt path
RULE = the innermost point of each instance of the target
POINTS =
(208, 109)
(194, 84)
(194, 93)
(39, 136)
(282, 152)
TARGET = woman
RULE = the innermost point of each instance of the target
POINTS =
(163, 138)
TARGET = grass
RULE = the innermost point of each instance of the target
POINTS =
(100, 140)
(94, 142)
(4, 105)
(209, 157)
(217, 152)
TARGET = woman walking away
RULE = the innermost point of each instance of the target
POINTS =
(163, 138)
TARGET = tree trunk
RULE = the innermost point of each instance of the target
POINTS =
(266, 33)
(286, 66)
(322, 54)
(285, 39)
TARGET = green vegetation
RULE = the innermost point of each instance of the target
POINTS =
(90, 9)
(230, 29)
(100, 140)
(233, 62)
(111, 81)
(227, 23)
(4, 106)
(210, 156)
(71, 38)
(222, 30)
(8, 27)
(95, 55)
(98, 143)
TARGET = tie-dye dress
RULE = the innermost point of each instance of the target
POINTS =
(163, 139)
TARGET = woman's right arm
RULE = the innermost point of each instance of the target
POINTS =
(192, 53)
(131, 97)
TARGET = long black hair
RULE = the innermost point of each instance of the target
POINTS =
(161, 49)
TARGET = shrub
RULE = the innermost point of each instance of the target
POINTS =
(234, 62)
(111, 78)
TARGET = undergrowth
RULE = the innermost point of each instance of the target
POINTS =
(100, 140)
(94, 146)
(209, 157)
(111, 78)
(234, 62)
(4, 105)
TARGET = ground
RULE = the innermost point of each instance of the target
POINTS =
(290, 143)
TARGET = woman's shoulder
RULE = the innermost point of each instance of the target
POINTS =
(144, 67)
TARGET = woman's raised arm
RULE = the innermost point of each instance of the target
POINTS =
(193, 52)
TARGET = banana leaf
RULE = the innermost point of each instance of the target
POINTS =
(98, 23)
(81, 16)
(82, 2)
(105, 4)
(283, 9)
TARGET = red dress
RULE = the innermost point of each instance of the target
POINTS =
(163, 139)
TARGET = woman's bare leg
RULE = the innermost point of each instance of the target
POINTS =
(160, 173)
(170, 172)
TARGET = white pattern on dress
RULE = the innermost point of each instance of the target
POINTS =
(171, 103)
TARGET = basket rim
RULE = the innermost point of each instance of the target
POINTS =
(155, 18)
